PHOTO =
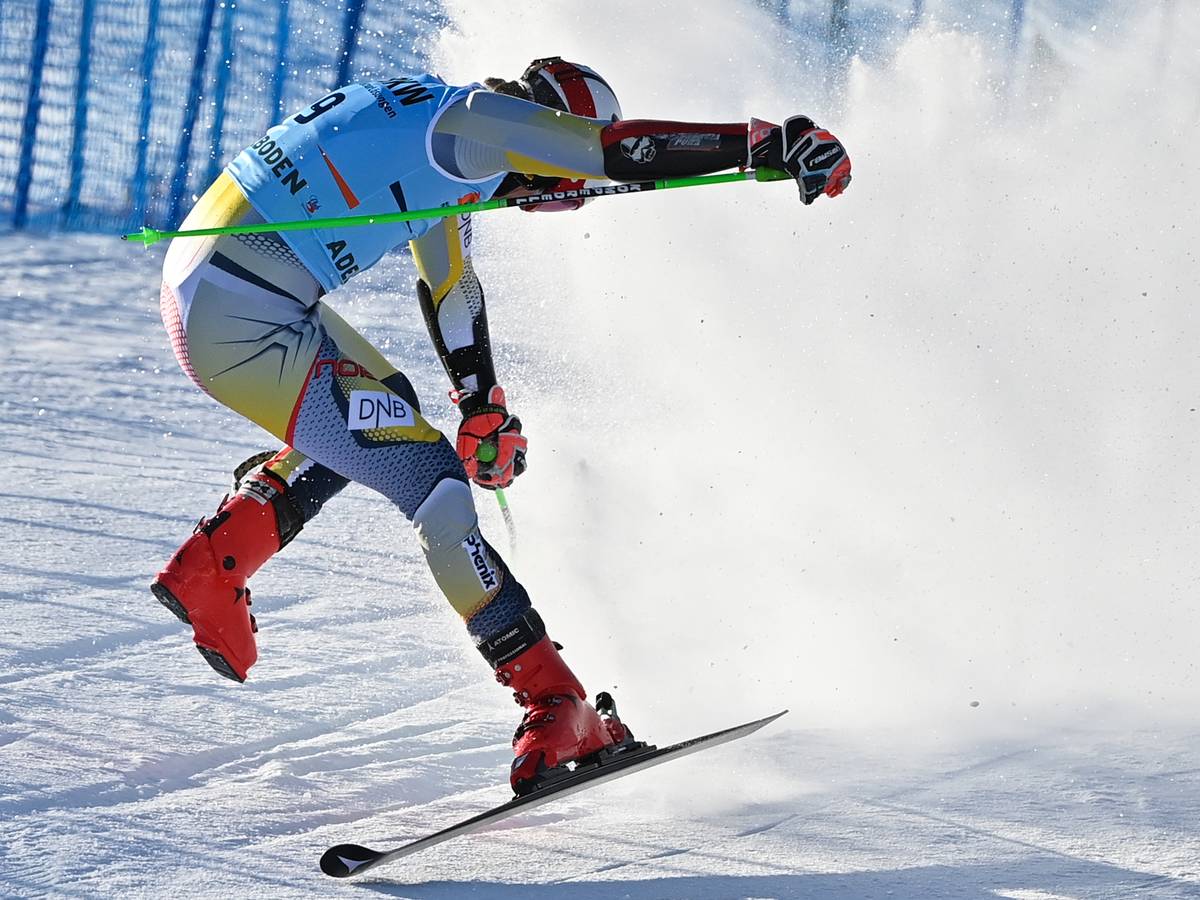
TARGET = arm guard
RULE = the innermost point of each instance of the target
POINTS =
(451, 300)
(643, 149)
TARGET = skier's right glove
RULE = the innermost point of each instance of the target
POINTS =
(813, 156)
(490, 442)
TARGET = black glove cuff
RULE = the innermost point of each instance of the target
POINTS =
(477, 402)
(767, 153)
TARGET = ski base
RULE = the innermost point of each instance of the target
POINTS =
(345, 860)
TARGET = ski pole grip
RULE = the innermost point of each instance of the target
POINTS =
(486, 452)
(764, 174)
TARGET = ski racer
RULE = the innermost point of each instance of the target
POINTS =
(249, 325)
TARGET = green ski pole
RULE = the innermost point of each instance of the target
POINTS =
(485, 454)
(148, 236)
(508, 519)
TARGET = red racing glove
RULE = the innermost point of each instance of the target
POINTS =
(811, 155)
(490, 442)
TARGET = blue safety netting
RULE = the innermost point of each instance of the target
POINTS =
(116, 112)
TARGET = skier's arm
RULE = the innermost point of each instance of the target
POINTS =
(490, 132)
(497, 133)
(451, 300)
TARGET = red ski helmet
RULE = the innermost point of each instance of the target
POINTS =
(571, 88)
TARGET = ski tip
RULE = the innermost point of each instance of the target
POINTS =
(771, 718)
(345, 860)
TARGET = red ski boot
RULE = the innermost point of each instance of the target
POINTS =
(560, 726)
(204, 584)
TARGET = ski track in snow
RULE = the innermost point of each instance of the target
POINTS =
(128, 768)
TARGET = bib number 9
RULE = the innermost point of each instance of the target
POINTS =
(323, 105)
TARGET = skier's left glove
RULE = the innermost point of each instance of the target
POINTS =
(490, 442)
(811, 155)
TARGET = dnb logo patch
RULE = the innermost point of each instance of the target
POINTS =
(377, 409)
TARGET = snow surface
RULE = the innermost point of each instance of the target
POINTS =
(919, 464)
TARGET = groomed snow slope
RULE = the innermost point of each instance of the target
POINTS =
(931, 446)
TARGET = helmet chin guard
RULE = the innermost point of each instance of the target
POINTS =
(571, 88)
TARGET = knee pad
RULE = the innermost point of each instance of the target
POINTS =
(446, 516)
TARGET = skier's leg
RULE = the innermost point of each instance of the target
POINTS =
(204, 583)
(425, 478)
(379, 438)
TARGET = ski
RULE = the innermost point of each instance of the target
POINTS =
(345, 860)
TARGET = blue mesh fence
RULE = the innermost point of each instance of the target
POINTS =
(116, 112)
